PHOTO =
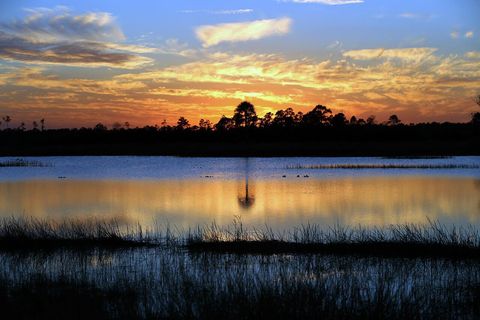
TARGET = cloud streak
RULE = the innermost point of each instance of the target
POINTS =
(439, 88)
(405, 54)
(220, 12)
(212, 35)
(51, 25)
(49, 36)
(327, 2)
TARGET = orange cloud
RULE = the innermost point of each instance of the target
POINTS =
(415, 83)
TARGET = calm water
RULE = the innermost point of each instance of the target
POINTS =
(190, 191)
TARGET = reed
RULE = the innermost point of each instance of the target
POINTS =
(18, 233)
(431, 240)
(408, 240)
(153, 283)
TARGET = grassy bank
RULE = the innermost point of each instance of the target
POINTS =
(250, 149)
(150, 283)
(431, 240)
(27, 233)
(211, 273)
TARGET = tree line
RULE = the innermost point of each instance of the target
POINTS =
(245, 116)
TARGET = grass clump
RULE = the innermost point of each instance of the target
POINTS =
(433, 239)
(147, 283)
(17, 233)
(409, 240)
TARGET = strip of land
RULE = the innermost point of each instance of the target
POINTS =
(421, 140)
(432, 240)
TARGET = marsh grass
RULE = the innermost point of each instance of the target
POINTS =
(152, 283)
(18, 233)
(432, 239)
(160, 274)
(382, 166)
(23, 163)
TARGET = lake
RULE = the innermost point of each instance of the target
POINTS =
(279, 192)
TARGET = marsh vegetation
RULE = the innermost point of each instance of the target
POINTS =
(175, 283)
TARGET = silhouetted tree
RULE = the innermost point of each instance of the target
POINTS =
(225, 123)
(7, 120)
(299, 117)
(319, 115)
(245, 115)
(205, 124)
(182, 123)
(476, 115)
(353, 120)
(126, 124)
(100, 127)
(476, 118)
(35, 125)
(42, 124)
(267, 120)
(21, 127)
(338, 120)
(116, 126)
(393, 120)
(284, 118)
(371, 120)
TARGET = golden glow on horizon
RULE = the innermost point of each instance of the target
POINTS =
(280, 203)
(392, 82)
(78, 69)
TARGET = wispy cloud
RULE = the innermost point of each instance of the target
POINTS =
(409, 15)
(220, 12)
(436, 89)
(327, 2)
(473, 54)
(469, 34)
(59, 24)
(454, 34)
(211, 35)
(409, 54)
(56, 36)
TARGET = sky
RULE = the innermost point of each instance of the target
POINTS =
(77, 63)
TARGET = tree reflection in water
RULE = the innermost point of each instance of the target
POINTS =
(246, 195)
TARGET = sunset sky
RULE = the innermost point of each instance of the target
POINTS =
(77, 63)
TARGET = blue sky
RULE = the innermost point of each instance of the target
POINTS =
(173, 57)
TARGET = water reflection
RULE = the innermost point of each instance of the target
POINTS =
(280, 203)
(246, 194)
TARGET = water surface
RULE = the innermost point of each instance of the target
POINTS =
(190, 191)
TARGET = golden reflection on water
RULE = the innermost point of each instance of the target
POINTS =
(282, 203)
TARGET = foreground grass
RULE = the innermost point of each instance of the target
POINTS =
(154, 283)
(431, 240)
(167, 275)
(24, 233)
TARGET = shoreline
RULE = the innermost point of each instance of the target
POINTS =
(287, 149)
